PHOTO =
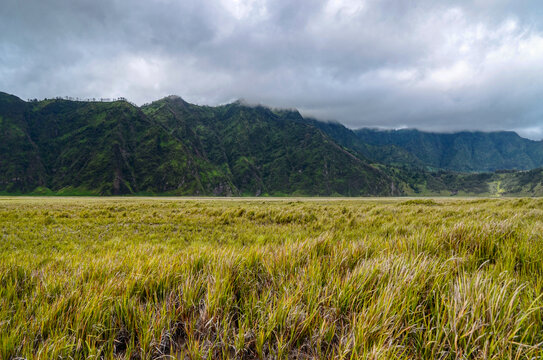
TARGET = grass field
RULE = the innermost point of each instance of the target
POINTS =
(133, 278)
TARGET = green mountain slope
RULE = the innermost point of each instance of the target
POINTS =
(102, 148)
(424, 177)
(21, 167)
(172, 147)
(463, 151)
(270, 152)
(388, 154)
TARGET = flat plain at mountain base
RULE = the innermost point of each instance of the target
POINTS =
(133, 278)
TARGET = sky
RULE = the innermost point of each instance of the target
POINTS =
(434, 65)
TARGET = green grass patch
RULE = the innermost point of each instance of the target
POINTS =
(158, 278)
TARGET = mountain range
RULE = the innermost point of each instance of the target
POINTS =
(171, 147)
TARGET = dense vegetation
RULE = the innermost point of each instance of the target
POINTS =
(462, 151)
(380, 279)
(171, 147)
(93, 147)
(266, 151)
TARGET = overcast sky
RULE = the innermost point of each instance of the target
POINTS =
(434, 65)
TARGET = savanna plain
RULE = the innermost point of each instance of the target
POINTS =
(160, 278)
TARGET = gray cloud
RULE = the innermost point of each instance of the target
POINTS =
(436, 65)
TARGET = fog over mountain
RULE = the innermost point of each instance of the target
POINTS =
(433, 65)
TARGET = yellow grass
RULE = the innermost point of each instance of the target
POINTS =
(149, 278)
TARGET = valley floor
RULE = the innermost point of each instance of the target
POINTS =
(149, 278)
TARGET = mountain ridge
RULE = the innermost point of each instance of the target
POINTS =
(471, 151)
(172, 147)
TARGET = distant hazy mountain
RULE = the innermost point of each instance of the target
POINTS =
(462, 151)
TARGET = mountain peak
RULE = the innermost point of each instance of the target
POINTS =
(174, 98)
(243, 102)
(9, 97)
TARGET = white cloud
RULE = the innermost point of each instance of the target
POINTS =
(444, 65)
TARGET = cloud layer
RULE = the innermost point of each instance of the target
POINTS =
(435, 65)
